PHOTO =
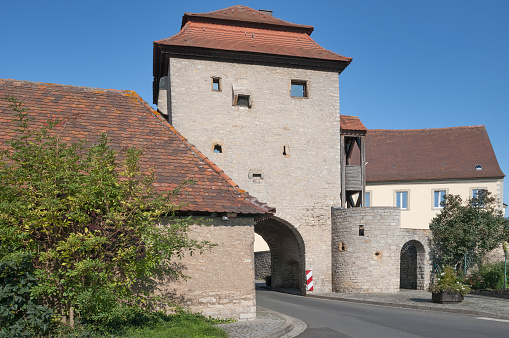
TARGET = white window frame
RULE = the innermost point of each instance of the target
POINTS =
(367, 200)
(433, 206)
(396, 192)
(476, 189)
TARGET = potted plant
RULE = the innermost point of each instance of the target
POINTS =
(448, 288)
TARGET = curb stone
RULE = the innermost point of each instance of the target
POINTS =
(268, 324)
(416, 307)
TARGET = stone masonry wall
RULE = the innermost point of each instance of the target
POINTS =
(221, 282)
(371, 262)
(262, 264)
(283, 150)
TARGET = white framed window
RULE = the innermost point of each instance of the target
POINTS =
(477, 192)
(367, 199)
(402, 200)
(438, 197)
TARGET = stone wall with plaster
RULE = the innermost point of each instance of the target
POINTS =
(221, 282)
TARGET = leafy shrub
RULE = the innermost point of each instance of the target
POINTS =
(449, 282)
(20, 316)
(88, 215)
(488, 276)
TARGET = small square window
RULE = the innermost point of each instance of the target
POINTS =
(299, 88)
(402, 199)
(243, 100)
(218, 149)
(216, 84)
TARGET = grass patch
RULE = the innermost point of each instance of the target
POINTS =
(180, 325)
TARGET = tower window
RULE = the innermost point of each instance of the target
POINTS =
(216, 84)
(218, 148)
(361, 230)
(242, 100)
(299, 88)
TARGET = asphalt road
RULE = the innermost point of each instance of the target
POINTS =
(328, 318)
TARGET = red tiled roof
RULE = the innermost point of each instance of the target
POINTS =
(229, 32)
(129, 121)
(424, 154)
(242, 15)
(351, 123)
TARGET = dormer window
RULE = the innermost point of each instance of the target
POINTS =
(478, 167)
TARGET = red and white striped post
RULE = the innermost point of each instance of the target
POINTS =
(309, 280)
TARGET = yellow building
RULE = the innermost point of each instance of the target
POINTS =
(414, 169)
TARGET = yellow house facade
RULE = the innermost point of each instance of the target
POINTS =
(414, 169)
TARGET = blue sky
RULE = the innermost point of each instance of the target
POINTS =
(416, 64)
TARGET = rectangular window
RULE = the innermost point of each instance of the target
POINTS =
(478, 193)
(243, 100)
(367, 199)
(216, 84)
(402, 199)
(299, 88)
(438, 197)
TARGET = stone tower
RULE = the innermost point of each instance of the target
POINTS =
(260, 98)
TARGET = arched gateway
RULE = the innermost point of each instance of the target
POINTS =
(412, 265)
(287, 253)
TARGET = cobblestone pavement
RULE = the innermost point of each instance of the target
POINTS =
(268, 324)
(420, 299)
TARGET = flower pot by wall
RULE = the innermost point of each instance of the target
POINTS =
(446, 297)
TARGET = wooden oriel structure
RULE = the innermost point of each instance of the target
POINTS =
(353, 170)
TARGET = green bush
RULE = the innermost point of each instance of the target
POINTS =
(488, 276)
(20, 316)
(89, 218)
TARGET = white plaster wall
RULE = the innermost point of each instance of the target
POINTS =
(421, 210)
(303, 185)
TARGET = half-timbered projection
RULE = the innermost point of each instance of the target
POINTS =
(353, 181)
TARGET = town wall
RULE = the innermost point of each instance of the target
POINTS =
(366, 250)
(283, 150)
(262, 264)
(221, 280)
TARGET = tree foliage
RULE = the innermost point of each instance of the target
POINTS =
(88, 216)
(471, 228)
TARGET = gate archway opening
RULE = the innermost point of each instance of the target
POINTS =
(287, 260)
(412, 266)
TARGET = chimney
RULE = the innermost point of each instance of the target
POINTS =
(265, 11)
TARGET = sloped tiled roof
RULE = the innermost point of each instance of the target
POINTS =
(87, 113)
(352, 123)
(424, 154)
(243, 15)
(243, 29)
